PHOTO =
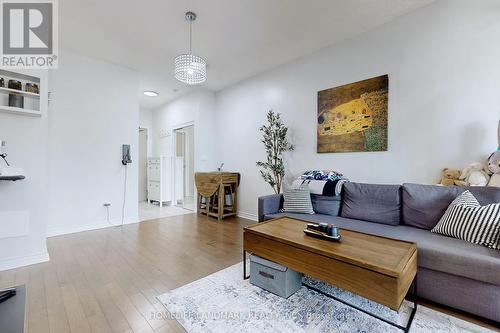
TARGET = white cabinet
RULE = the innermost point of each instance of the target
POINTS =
(159, 179)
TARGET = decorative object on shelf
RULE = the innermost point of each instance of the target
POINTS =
(2, 82)
(32, 88)
(189, 68)
(14, 84)
(274, 138)
(493, 167)
(353, 117)
(16, 101)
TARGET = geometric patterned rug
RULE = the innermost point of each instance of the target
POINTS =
(224, 302)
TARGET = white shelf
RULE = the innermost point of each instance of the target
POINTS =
(19, 92)
(20, 111)
(34, 104)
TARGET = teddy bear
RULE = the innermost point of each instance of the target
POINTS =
(493, 167)
(451, 178)
(475, 175)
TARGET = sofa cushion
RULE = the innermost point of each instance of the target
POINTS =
(436, 252)
(424, 205)
(326, 204)
(372, 202)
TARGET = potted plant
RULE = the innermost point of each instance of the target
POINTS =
(274, 138)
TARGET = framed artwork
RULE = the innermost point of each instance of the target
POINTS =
(353, 117)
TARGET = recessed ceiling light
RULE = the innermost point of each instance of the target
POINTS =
(150, 93)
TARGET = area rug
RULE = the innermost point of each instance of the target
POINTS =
(224, 302)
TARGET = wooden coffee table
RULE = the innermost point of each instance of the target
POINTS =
(378, 268)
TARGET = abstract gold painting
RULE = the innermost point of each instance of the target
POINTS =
(353, 117)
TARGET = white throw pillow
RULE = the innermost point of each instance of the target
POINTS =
(297, 200)
(466, 219)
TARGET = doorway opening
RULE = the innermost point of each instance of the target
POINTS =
(155, 188)
(184, 167)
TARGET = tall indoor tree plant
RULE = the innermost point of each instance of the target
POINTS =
(274, 138)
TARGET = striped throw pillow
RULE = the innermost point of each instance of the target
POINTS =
(297, 200)
(466, 219)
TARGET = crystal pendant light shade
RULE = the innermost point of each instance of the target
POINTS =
(189, 68)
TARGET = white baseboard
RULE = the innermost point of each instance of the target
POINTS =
(248, 216)
(16, 262)
(92, 226)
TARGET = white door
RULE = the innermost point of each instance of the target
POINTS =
(189, 164)
(180, 152)
(143, 164)
(184, 167)
(179, 180)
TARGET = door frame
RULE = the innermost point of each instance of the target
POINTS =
(173, 149)
(148, 147)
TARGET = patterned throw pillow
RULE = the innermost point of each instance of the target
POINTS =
(297, 200)
(466, 219)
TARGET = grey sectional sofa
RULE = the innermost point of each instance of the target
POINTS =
(452, 272)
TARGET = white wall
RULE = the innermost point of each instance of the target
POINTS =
(23, 204)
(444, 99)
(197, 108)
(146, 121)
(94, 110)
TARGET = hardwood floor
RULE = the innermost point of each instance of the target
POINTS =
(107, 280)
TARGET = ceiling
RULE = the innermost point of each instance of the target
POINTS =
(238, 38)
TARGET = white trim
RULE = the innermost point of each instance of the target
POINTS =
(91, 226)
(182, 125)
(248, 216)
(174, 155)
(16, 262)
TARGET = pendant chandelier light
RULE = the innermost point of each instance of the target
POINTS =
(189, 68)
